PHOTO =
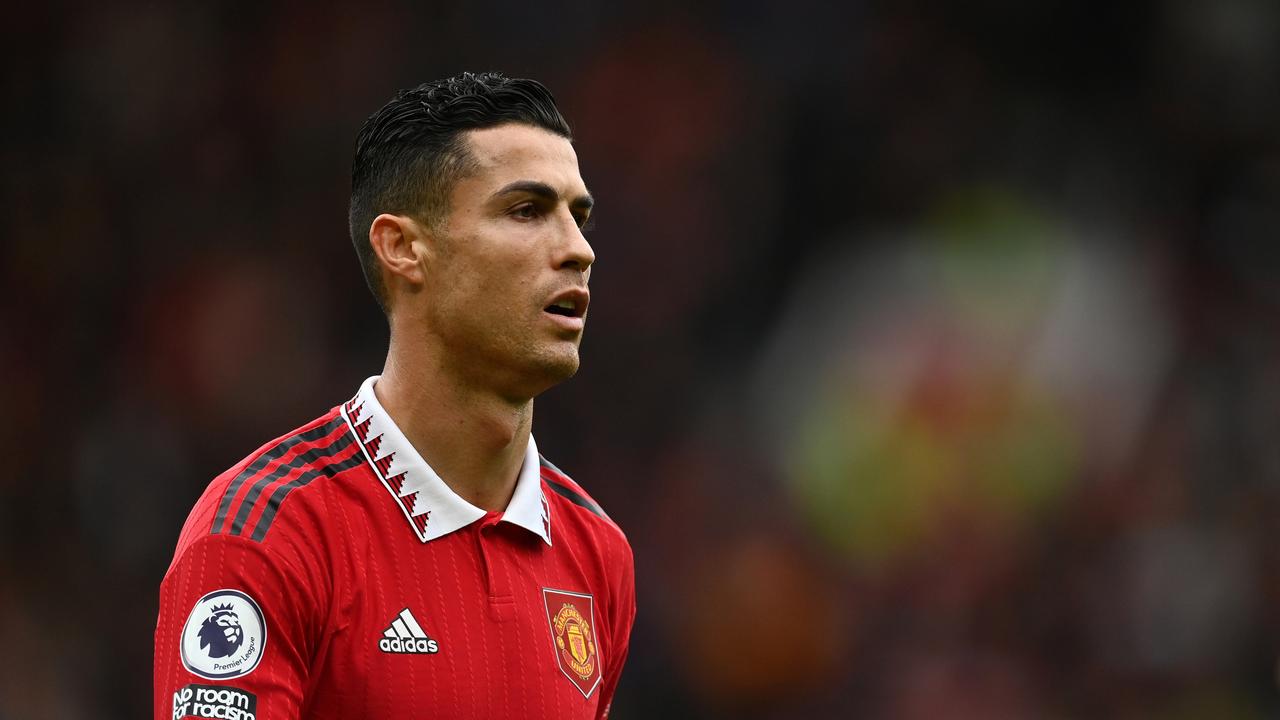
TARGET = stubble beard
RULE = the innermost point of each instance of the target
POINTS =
(545, 365)
(514, 363)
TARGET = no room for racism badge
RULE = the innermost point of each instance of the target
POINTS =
(572, 619)
(214, 701)
(225, 635)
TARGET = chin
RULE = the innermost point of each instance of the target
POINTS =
(563, 368)
(558, 366)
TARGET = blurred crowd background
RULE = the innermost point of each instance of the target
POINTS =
(934, 358)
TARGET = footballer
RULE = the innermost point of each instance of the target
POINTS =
(411, 553)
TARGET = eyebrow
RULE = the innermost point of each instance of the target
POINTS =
(545, 191)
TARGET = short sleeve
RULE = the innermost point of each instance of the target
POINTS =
(239, 623)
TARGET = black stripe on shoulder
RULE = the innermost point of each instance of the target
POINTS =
(575, 497)
(548, 464)
(277, 497)
(262, 461)
(311, 457)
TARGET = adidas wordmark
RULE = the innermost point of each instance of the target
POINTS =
(406, 636)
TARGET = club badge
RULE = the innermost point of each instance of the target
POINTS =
(573, 632)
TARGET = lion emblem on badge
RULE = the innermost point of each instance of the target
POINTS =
(221, 632)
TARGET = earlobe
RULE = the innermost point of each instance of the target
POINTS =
(394, 240)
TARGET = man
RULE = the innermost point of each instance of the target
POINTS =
(409, 554)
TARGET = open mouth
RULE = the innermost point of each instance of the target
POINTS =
(565, 308)
(569, 305)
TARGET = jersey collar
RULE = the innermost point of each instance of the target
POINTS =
(430, 506)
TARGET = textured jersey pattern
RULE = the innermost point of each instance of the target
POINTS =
(365, 618)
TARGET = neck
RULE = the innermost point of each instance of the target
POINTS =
(474, 438)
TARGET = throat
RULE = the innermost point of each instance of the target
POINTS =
(476, 442)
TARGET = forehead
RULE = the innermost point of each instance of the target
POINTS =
(511, 152)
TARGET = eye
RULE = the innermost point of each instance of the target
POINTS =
(525, 211)
(585, 222)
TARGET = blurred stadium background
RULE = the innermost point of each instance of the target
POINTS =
(934, 357)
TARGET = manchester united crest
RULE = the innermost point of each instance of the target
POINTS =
(573, 631)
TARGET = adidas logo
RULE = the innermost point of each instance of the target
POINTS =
(405, 636)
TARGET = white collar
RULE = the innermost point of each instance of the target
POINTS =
(430, 506)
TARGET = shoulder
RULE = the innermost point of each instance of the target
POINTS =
(571, 498)
(595, 538)
(247, 502)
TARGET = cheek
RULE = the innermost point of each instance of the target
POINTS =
(490, 280)
(501, 285)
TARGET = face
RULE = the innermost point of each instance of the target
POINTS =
(506, 284)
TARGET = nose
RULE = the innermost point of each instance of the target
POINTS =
(576, 253)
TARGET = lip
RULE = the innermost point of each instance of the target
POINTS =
(566, 323)
(579, 298)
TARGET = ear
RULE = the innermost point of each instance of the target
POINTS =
(398, 241)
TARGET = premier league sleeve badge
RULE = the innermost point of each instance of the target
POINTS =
(225, 636)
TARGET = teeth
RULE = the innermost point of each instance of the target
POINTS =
(567, 305)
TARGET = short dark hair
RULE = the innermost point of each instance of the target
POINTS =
(410, 152)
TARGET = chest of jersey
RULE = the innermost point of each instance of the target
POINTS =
(486, 622)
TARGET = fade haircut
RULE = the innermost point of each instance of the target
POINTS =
(411, 151)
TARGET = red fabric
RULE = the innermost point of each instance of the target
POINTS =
(338, 564)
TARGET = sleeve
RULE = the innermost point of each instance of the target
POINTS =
(621, 622)
(238, 625)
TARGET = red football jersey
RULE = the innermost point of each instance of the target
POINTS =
(333, 574)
